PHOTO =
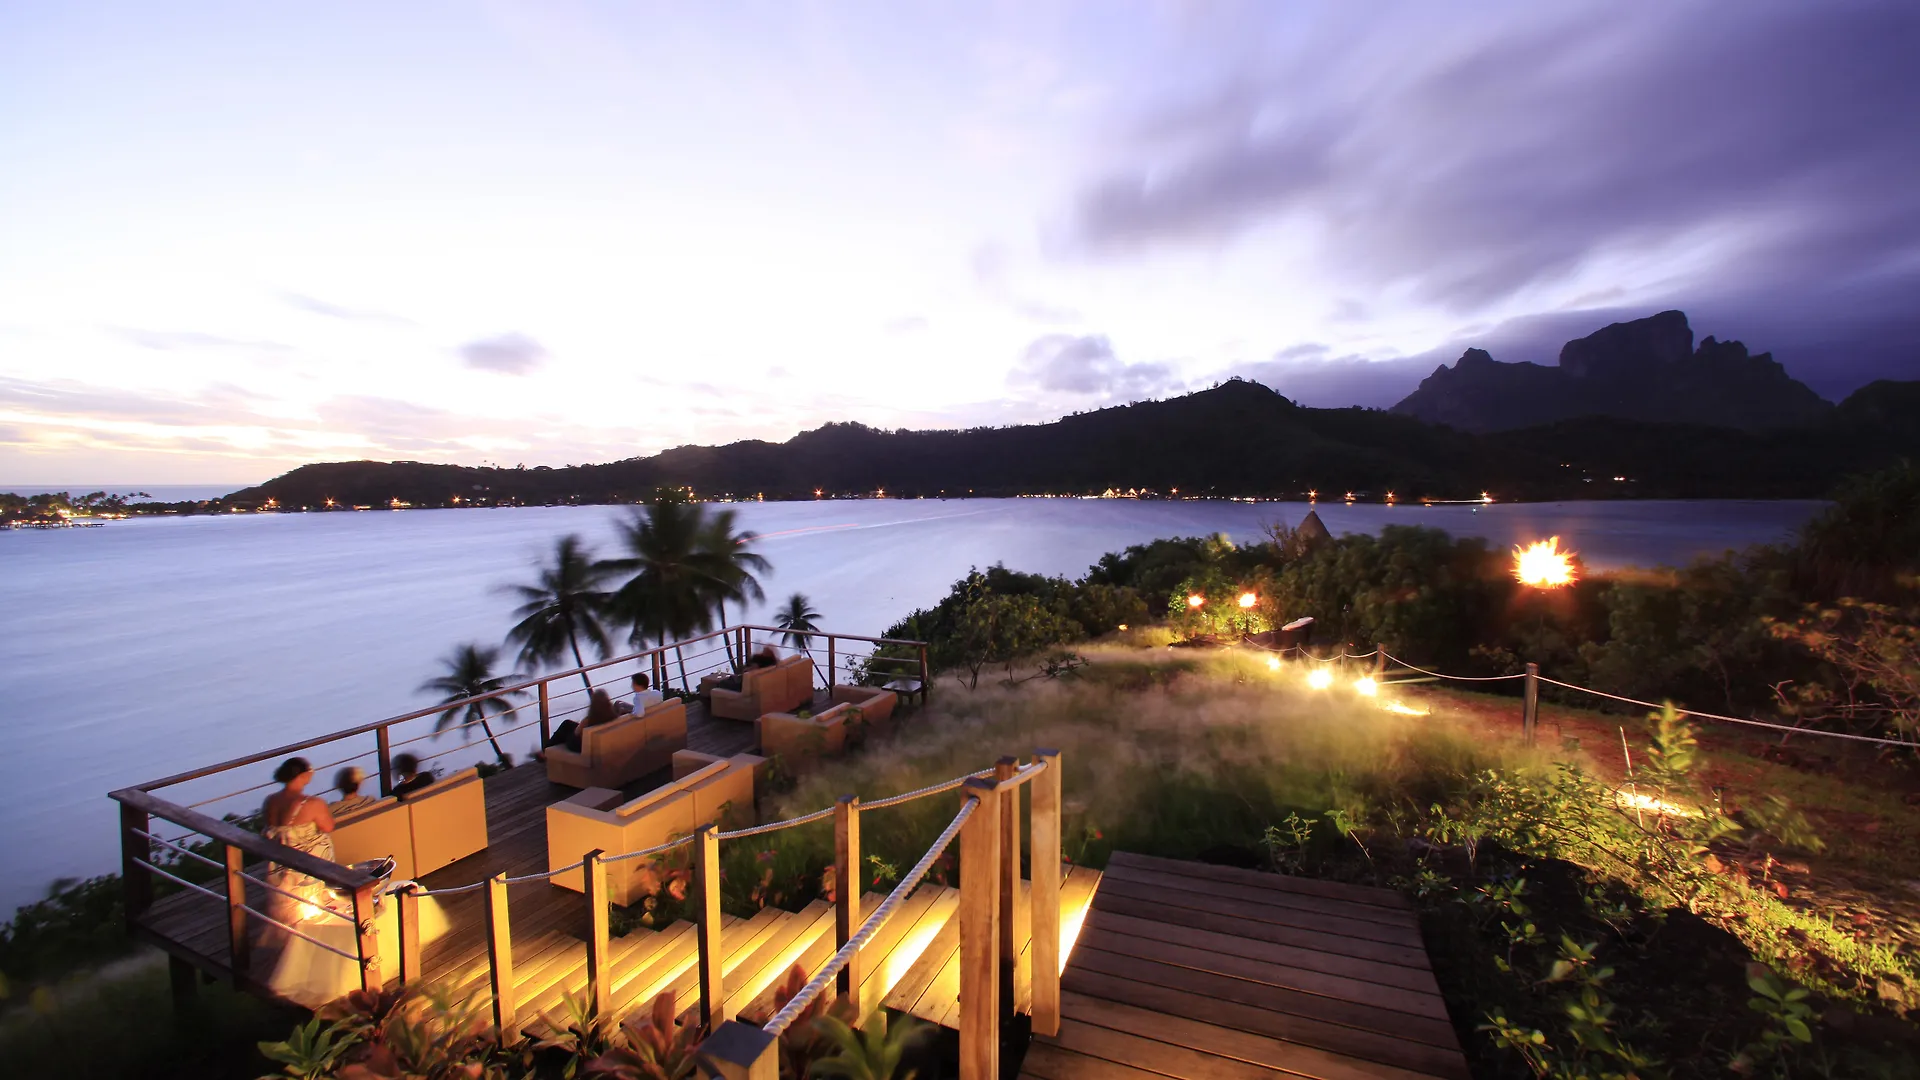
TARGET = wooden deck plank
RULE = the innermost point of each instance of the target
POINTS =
(1197, 1035)
(1362, 920)
(1381, 952)
(1306, 920)
(1177, 931)
(1146, 940)
(1332, 890)
(909, 934)
(1044, 1062)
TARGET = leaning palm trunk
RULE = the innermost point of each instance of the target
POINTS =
(680, 652)
(487, 727)
(726, 639)
(580, 662)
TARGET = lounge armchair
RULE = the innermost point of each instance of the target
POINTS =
(720, 791)
(794, 738)
(786, 685)
(436, 826)
(615, 754)
(875, 704)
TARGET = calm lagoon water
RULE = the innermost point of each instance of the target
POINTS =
(155, 645)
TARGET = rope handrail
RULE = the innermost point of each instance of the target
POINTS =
(776, 826)
(930, 789)
(342, 953)
(524, 878)
(783, 1019)
(1455, 678)
(1788, 728)
(655, 850)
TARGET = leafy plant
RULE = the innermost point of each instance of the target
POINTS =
(1788, 1020)
(870, 1052)
(311, 1052)
(580, 1031)
(657, 1047)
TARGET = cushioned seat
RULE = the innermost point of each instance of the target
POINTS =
(787, 684)
(794, 738)
(381, 830)
(720, 791)
(448, 819)
(615, 754)
(875, 705)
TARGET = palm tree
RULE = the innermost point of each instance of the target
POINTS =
(731, 568)
(470, 674)
(665, 596)
(563, 606)
(797, 620)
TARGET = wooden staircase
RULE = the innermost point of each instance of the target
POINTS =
(911, 964)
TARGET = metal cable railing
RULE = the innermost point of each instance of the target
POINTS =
(783, 1019)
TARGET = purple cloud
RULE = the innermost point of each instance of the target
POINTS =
(507, 354)
(1086, 366)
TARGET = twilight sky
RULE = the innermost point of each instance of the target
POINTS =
(235, 238)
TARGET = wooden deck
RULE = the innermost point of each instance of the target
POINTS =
(912, 963)
(1192, 970)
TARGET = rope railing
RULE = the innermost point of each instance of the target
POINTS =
(1455, 678)
(823, 978)
(655, 850)
(1787, 728)
(930, 789)
(258, 914)
(776, 826)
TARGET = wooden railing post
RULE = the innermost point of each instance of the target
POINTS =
(1379, 662)
(500, 957)
(1044, 862)
(706, 873)
(546, 715)
(237, 951)
(383, 758)
(926, 679)
(980, 935)
(599, 974)
(367, 929)
(846, 880)
(135, 850)
(409, 923)
(1011, 909)
(737, 1051)
(1530, 704)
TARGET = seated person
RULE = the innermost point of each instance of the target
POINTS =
(644, 697)
(600, 710)
(347, 782)
(410, 778)
(762, 659)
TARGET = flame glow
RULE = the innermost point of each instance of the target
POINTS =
(1196, 600)
(1247, 599)
(1273, 663)
(1633, 800)
(1365, 686)
(1404, 709)
(1543, 565)
(1320, 679)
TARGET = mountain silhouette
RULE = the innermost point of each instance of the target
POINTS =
(1645, 370)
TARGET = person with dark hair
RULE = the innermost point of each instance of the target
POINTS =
(765, 658)
(347, 782)
(302, 822)
(600, 710)
(410, 779)
(644, 697)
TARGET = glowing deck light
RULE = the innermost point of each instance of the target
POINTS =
(1195, 600)
(1123, 626)
(1273, 663)
(1365, 686)
(1320, 679)
(1247, 599)
(1543, 565)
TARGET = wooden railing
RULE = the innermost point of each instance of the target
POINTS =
(141, 806)
(987, 826)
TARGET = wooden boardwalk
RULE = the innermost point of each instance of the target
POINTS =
(911, 963)
(1192, 970)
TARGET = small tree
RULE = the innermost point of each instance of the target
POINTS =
(797, 619)
(469, 674)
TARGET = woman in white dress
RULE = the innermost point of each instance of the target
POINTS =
(302, 822)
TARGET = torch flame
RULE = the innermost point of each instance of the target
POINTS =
(1195, 600)
(1543, 565)
(1320, 678)
(1247, 599)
